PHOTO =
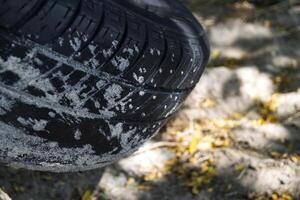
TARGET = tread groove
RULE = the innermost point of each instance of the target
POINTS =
(142, 51)
(71, 20)
(97, 30)
(163, 58)
(120, 44)
(76, 65)
(31, 14)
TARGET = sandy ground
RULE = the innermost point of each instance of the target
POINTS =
(236, 137)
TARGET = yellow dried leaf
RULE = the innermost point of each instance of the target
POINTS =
(195, 190)
(218, 143)
(150, 177)
(295, 158)
(267, 23)
(208, 103)
(286, 196)
(204, 167)
(237, 116)
(221, 124)
(275, 154)
(130, 181)
(215, 53)
(211, 171)
(193, 160)
(272, 118)
(258, 122)
(86, 195)
(239, 167)
(193, 144)
(275, 196)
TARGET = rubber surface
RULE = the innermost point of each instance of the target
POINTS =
(84, 83)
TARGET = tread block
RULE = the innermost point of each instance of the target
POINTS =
(195, 69)
(82, 30)
(106, 40)
(50, 21)
(169, 65)
(184, 72)
(130, 50)
(12, 12)
(149, 60)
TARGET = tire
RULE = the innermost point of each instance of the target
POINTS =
(84, 83)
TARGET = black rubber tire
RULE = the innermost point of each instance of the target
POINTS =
(84, 83)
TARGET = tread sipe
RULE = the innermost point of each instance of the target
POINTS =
(84, 83)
